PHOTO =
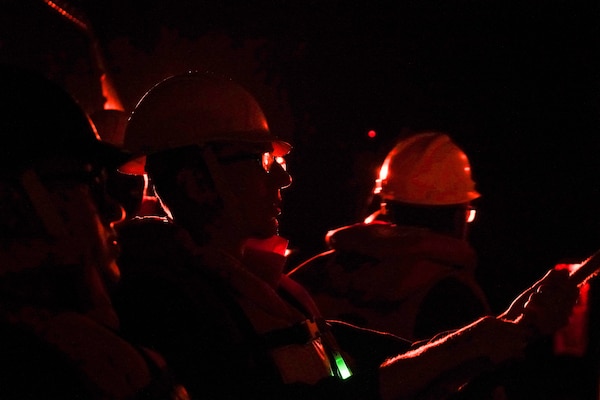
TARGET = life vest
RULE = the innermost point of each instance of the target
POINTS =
(378, 275)
(264, 312)
(281, 312)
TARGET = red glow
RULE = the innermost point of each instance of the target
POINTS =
(77, 21)
(109, 92)
(573, 339)
(471, 214)
(371, 134)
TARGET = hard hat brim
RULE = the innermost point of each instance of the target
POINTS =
(112, 156)
(281, 148)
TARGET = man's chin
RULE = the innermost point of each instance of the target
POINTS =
(262, 229)
(266, 233)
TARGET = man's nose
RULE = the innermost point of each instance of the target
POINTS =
(279, 176)
(113, 211)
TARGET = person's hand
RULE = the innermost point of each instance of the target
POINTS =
(437, 368)
(515, 310)
(549, 303)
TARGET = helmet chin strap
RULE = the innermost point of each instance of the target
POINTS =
(42, 203)
(23, 255)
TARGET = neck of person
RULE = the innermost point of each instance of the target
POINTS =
(226, 241)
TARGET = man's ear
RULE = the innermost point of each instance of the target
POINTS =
(197, 185)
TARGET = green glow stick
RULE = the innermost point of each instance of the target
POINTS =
(343, 369)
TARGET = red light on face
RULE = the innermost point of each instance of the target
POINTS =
(371, 134)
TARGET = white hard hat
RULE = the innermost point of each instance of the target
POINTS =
(195, 108)
(426, 169)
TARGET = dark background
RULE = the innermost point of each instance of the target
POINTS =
(514, 83)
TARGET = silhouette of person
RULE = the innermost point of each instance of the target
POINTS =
(409, 268)
(58, 253)
(205, 285)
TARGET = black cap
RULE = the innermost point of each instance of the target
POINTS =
(41, 120)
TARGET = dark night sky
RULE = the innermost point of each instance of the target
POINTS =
(515, 85)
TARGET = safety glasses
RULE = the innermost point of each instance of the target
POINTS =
(266, 160)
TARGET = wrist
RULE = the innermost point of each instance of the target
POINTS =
(493, 339)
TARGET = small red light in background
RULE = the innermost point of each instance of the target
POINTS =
(371, 134)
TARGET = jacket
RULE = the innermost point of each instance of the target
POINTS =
(409, 281)
(234, 329)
